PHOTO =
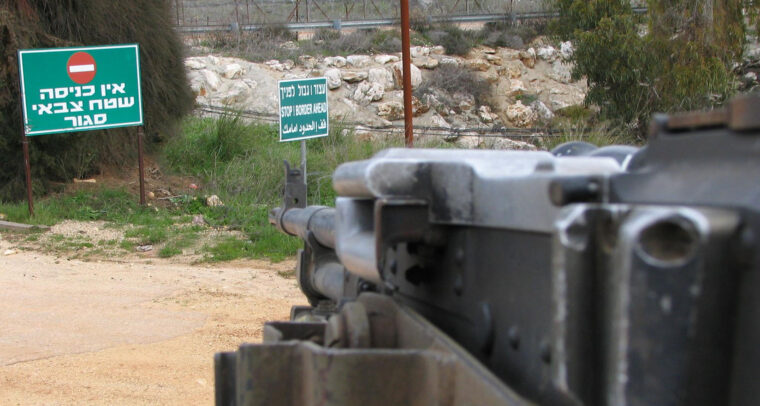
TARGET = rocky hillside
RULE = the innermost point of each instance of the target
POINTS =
(490, 88)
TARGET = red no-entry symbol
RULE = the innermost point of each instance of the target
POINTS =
(81, 68)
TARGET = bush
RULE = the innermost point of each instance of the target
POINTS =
(456, 41)
(48, 23)
(678, 64)
(507, 34)
(452, 79)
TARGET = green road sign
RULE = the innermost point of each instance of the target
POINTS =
(80, 89)
(303, 109)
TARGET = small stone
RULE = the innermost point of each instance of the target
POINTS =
(541, 110)
(416, 77)
(566, 50)
(214, 201)
(9, 252)
(212, 79)
(561, 72)
(383, 59)
(439, 121)
(336, 61)
(382, 76)
(275, 64)
(199, 220)
(520, 115)
(391, 110)
(288, 64)
(418, 107)
(426, 62)
(367, 92)
(144, 248)
(307, 61)
(449, 60)
(437, 50)
(235, 93)
(417, 52)
(494, 59)
(547, 53)
(333, 78)
(516, 87)
(487, 50)
(486, 115)
(353, 76)
(464, 101)
(194, 64)
(358, 61)
(233, 71)
(478, 64)
(528, 57)
(513, 70)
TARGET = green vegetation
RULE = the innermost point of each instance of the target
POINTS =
(678, 57)
(240, 162)
(276, 42)
(448, 80)
(58, 23)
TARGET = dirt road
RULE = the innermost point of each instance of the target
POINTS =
(140, 333)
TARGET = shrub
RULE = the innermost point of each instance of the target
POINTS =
(508, 34)
(453, 79)
(456, 41)
(57, 23)
(678, 64)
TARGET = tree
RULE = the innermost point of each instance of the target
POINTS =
(28, 24)
(677, 57)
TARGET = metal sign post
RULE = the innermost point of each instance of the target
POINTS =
(67, 90)
(303, 112)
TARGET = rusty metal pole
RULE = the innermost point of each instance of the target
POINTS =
(28, 172)
(407, 72)
(140, 164)
(27, 165)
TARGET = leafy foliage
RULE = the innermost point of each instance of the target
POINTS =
(28, 24)
(678, 58)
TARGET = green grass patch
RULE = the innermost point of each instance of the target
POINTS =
(182, 239)
(240, 162)
(148, 235)
(228, 249)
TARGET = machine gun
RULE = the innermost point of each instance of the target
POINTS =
(587, 277)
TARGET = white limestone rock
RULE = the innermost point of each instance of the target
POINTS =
(334, 80)
(520, 115)
(398, 76)
(382, 76)
(367, 92)
(358, 61)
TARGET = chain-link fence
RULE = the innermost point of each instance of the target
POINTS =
(241, 12)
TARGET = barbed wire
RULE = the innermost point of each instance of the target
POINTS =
(444, 132)
(225, 12)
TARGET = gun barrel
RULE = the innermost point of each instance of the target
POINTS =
(319, 220)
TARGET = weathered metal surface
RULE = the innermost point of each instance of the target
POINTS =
(602, 277)
(410, 363)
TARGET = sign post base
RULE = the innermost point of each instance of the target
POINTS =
(140, 134)
(28, 172)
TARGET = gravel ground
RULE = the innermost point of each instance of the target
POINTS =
(136, 333)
